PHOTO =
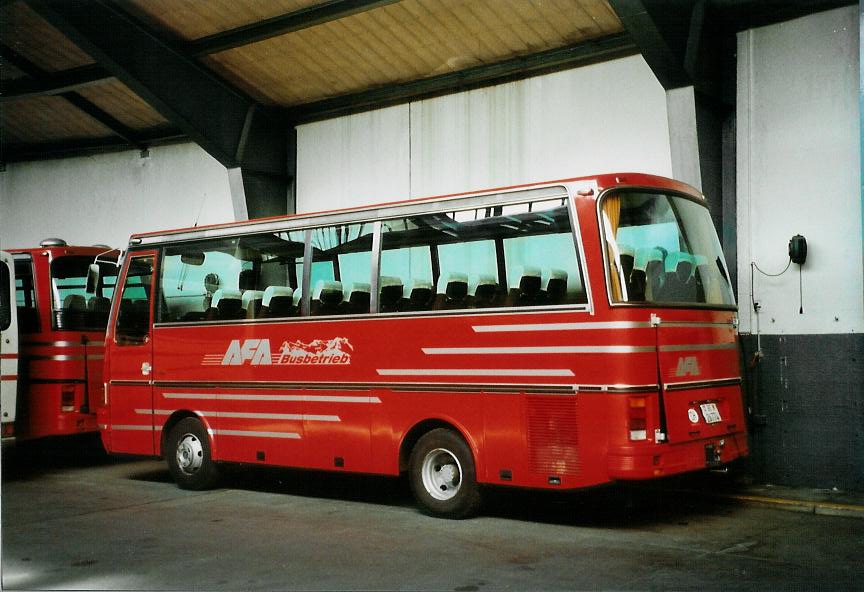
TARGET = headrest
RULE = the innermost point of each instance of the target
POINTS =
(676, 257)
(524, 271)
(483, 282)
(326, 287)
(646, 255)
(250, 295)
(557, 274)
(388, 281)
(392, 286)
(360, 287)
(454, 277)
(419, 284)
(276, 292)
(224, 295)
(74, 302)
(626, 249)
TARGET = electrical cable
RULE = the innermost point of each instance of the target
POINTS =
(785, 269)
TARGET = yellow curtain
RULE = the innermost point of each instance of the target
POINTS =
(612, 218)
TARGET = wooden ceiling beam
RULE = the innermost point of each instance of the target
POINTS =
(14, 152)
(38, 76)
(280, 25)
(53, 83)
(207, 109)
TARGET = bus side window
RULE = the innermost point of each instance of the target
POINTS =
(25, 297)
(542, 263)
(341, 269)
(225, 279)
(133, 318)
(406, 276)
(471, 257)
(5, 303)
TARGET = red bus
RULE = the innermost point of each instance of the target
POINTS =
(53, 345)
(558, 335)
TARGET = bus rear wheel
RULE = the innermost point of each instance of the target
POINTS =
(442, 475)
(188, 455)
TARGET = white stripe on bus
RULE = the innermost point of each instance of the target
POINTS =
(255, 434)
(555, 349)
(250, 397)
(246, 415)
(473, 372)
(134, 427)
(561, 326)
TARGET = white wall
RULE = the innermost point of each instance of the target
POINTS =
(601, 118)
(799, 173)
(105, 198)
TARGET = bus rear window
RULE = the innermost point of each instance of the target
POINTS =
(75, 309)
(662, 249)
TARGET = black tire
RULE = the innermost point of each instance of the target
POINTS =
(187, 452)
(442, 475)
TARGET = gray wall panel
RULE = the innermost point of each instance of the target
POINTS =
(807, 405)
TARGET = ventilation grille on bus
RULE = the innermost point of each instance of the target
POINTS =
(553, 436)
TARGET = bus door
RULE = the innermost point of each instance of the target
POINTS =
(8, 345)
(129, 349)
(700, 381)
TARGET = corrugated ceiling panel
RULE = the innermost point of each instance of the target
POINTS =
(406, 41)
(115, 98)
(32, 37)
(47, 119)
(193, 19)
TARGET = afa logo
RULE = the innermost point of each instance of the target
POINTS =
(255, 351)
(258, 352)
(688, 365)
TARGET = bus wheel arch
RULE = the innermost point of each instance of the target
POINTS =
(169, 424)
(441, 468)
(188, 451)
(420, 429)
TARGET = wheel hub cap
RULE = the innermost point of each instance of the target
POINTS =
(442, 474)
(190, 454)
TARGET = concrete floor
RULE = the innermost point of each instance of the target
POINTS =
(73, 520)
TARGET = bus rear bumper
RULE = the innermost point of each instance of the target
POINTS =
(660, 460)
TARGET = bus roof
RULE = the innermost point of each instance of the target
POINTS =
(57, 251)
(603, 182)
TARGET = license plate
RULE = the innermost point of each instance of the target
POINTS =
(710, 412)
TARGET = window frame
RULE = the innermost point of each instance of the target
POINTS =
(604, 248)
(27, 259)
(117, 299)
(376, 216)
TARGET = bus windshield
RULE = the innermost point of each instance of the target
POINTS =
(662, 249)
(75, 309)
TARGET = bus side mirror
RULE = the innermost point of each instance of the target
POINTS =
(92, 278)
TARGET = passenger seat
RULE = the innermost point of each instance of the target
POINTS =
(277, 302)
(390, 293)
(327, 297)
(226, 305)
(252, 303)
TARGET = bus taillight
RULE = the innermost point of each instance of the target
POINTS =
(637, 418)
(67, 397)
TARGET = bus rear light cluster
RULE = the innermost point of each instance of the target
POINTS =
(637, 419)
(8, 430)
(67, 397)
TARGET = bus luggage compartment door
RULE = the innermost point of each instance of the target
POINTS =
(701, 382)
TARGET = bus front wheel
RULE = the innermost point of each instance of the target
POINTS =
(188, 456)
(442, 475)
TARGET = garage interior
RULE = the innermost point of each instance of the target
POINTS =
(148, 114)
(125, 116)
